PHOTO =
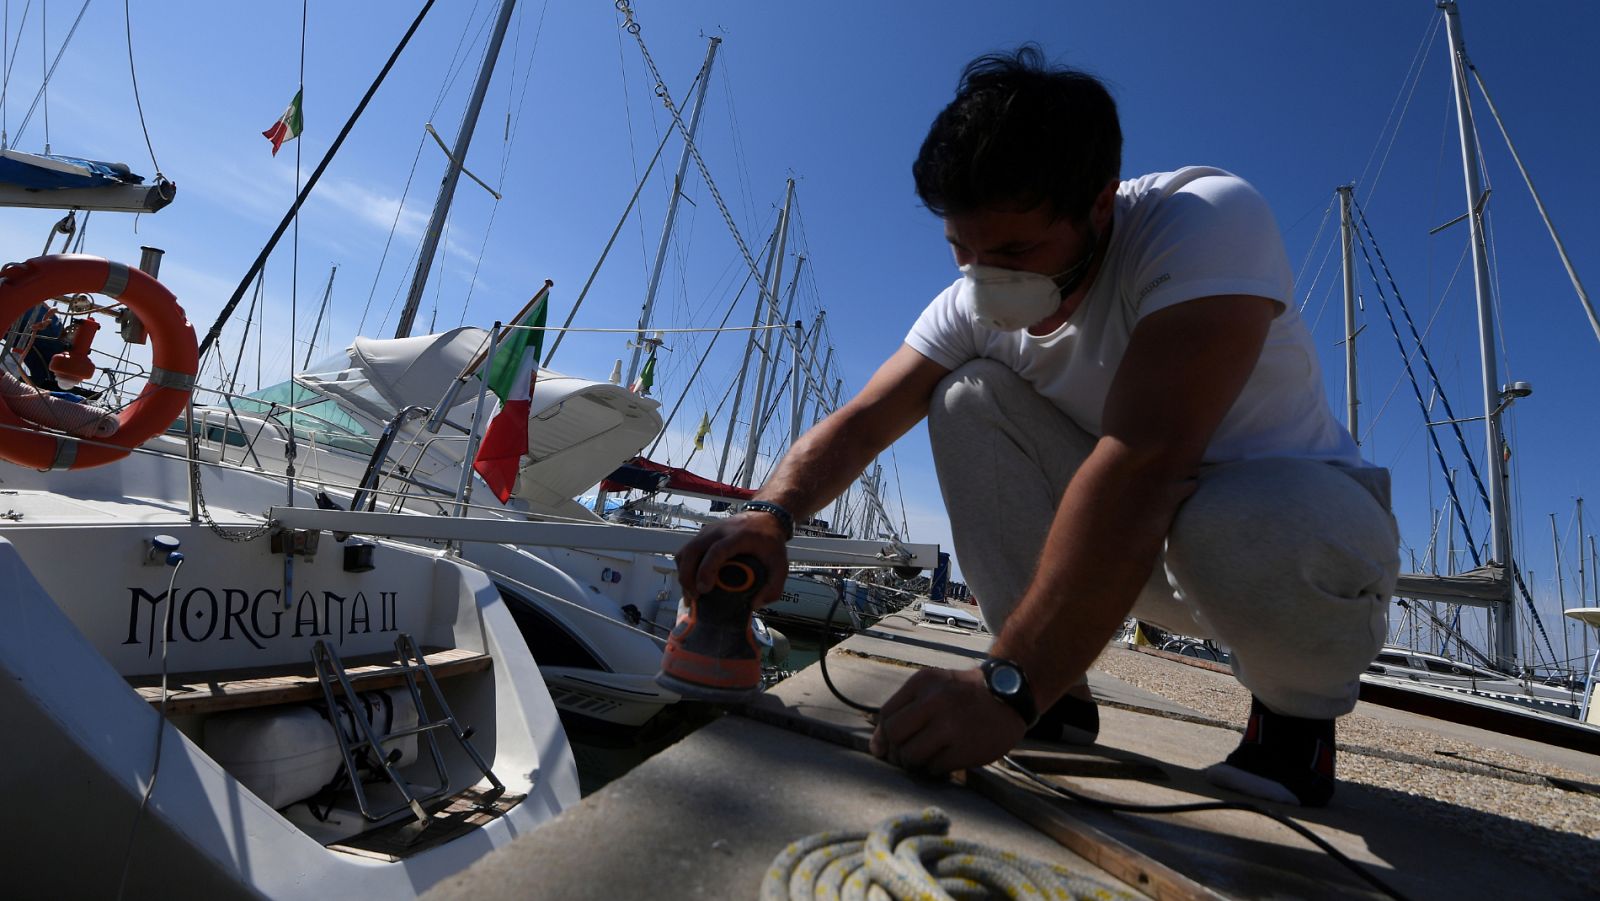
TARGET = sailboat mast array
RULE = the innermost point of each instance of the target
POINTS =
(704, 79)
(771, 298)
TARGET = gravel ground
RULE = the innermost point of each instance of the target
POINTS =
(1500, 798)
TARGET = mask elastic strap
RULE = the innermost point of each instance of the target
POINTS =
(1074, 274)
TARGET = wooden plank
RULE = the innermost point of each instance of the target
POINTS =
(1136, 869)
(191, 693)
(461, 814)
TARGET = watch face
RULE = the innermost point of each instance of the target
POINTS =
(1005, 680)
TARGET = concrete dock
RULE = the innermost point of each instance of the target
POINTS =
(705, 817)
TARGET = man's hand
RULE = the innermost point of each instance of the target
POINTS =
(758, 534)
(943, 720)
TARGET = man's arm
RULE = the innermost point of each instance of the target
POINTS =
(1184, 368)
(818, 467)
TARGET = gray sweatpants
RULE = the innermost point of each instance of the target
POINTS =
(1288, 562)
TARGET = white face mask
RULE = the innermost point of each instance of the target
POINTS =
(1008, 300)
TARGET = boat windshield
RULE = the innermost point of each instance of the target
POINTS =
(323, 420)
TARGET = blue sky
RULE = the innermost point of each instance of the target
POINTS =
(1298, 98)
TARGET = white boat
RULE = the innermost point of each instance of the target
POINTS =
(1401, 664)
(806, 603)
(595, 621)
(188, 692)
(1494, 582)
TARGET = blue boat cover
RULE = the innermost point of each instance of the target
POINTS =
(36, 172)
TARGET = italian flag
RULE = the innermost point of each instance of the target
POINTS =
(511, 375)
(288, 126)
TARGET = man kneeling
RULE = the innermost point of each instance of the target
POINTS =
(1127, 415)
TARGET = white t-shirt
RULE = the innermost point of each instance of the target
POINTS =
(1176, 236)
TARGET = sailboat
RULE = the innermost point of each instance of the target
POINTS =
(195, 693)
(1495, 676)
(204, 702)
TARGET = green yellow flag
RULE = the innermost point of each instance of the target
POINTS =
(705, 429)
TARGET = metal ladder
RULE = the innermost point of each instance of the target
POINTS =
(330, 671)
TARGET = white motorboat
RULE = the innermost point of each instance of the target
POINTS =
(806, 603)
(596, 621)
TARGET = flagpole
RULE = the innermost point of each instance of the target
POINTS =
(261, 259)
(464, 489)
(448, 400)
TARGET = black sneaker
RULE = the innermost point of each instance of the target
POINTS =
(1070, 721)
(1287, 759)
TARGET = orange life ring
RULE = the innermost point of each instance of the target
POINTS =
(175, 358)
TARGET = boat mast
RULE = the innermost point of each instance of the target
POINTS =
(311, 347)
(802, 382)
(757, 314)
(1347, 254)
(672, 211)
(1561, 589)
(1503, 626)
(766, 402)
(747, 473)
(452, 174)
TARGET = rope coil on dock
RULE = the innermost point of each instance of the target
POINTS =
(909, 858)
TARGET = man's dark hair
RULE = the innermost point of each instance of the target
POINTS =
(1018, 134)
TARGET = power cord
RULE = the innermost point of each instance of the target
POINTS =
(174, 560)
(1119, 807)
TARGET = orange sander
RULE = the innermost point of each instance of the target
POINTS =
(712, 653)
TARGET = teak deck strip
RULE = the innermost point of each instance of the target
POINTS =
(463, 813)
(219, 690)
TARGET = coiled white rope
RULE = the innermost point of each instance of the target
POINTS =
(909, 858)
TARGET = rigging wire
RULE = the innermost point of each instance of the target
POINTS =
(11, 61)
(736, 141)
(127, 23)
(393, 226)
(1561, 250)
(1510, 563)
(294, 253)
(1426, 331)
(1299, 278)
(509, 140)
(633, 154)
(1418, 63)
(50, 72)
(1416, 387)
(316, 175)
(631, 25)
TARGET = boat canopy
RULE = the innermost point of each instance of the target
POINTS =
(68, 182)
(578, 429)
(640, 474)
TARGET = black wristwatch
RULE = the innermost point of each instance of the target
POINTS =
(785, 519)
(1007, 682)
